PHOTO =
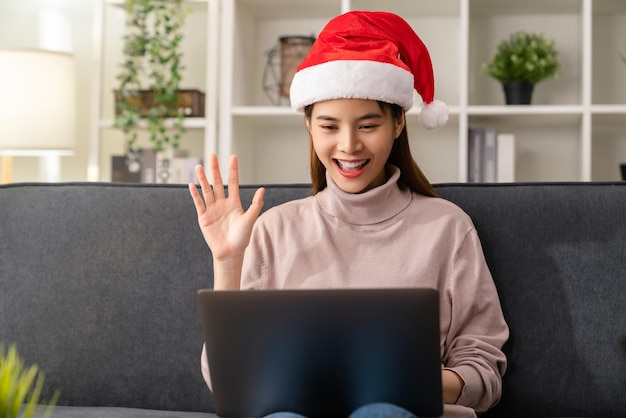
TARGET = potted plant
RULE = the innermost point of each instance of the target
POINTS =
(521, 61)
(20, 387)
(149, 79)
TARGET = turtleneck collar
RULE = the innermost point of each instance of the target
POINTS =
(372, 207)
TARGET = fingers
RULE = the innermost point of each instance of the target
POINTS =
(197, 199)
(216, 178)
(207, 191)
(233, 189)
(233, 177)
(257, 203)
(214, 189)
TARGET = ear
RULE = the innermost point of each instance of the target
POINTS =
(399, 124)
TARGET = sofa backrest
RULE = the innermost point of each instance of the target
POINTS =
(98, 285)
(557, 253)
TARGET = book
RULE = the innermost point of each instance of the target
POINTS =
(474, 154)
(482, 162)
(490, 155)
(506, 158)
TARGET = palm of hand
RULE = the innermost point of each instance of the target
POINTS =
(226, 227)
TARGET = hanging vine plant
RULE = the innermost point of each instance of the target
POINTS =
(151, 73)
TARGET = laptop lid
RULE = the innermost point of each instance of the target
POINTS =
(322, 352)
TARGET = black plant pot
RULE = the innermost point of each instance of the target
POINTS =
(518, 92)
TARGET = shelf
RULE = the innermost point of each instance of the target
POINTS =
(610, 110)
(610, 117)
(194, 5)
(286, 111)
(526, 7)
(265, 117)
(524, 115)
(513, 110)
(191, 123)
(282, 111)
(284, 9)
(408, 9)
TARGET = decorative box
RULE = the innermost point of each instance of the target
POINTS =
(190, 100)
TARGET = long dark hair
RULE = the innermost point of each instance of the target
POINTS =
(411, 176)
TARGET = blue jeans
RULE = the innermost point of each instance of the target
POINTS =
(374, 410)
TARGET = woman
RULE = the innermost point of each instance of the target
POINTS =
(374, 214)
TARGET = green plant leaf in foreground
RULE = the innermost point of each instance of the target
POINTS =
(18, 397)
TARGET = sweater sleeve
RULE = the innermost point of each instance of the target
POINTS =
(204, 366)
(476, 327)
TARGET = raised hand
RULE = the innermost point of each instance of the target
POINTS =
(225, 226)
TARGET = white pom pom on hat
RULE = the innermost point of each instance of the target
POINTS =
(369, 55)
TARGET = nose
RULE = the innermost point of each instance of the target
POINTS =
(348, 141)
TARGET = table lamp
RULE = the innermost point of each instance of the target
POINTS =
(37, 108)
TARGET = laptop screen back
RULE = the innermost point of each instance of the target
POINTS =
(322, 352)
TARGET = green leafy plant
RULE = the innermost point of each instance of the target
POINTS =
(152, 61)
(20, 387)
(524, 56)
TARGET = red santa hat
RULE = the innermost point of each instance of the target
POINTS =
(369, 55)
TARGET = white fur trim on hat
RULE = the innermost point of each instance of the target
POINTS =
(434, 114)
(352, 79)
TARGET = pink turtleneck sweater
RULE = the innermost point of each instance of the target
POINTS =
(388, 237)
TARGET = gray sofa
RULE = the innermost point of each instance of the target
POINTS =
(98, 285)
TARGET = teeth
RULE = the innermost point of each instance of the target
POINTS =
(348, 164)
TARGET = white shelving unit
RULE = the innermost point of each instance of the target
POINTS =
(200, 58)
(575, 130)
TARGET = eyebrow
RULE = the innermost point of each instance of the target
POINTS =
(364, 117)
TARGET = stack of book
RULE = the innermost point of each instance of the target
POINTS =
(491, 156)
(147, 166)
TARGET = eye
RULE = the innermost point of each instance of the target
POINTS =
(328, 127)
(368, 126)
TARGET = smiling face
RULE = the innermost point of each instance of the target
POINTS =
(353, 139)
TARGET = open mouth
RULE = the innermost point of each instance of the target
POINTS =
(351, 167)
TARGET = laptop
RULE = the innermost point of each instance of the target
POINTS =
(322, 352)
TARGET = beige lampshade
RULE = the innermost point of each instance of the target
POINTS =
(37, 102)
